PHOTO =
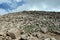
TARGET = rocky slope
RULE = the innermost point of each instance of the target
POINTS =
(30, 25)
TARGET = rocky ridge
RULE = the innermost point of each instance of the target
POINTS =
(30, 25)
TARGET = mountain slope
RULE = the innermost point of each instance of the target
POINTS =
(32, 21)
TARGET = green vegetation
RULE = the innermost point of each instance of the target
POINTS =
(30, 28)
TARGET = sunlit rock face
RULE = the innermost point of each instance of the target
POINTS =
(11, 4)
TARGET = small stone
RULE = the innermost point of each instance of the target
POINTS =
(44, 29)
(47, 39)
(22, 39)
(8, 38)
(52, 38)
(3, 32)
(33, 38)
(24, 36)
(1, 38)
(36, 34)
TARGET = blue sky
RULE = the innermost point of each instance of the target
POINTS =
(7, 6)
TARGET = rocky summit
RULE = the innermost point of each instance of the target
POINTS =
(30, 25)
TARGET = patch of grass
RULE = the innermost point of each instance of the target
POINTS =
(30, 28)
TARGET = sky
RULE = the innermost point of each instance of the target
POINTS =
(7, 6)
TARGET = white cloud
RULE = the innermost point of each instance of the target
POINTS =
(18, 0)
(2, 11)
(35, 5)
(34, 8)
(47, 5)
(6, 1)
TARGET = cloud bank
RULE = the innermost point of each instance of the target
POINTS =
(7, 6)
